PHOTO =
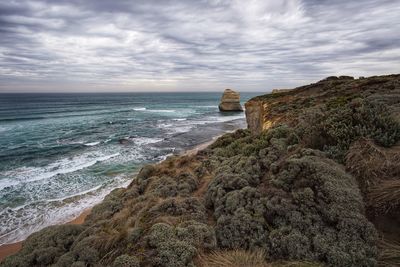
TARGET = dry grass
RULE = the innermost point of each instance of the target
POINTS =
(233, 258)
(367, 162)
(371, 164)
(389, 253)
(297, 264)
(385, 197)
(244, 258)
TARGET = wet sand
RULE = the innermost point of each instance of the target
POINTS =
(10, 249)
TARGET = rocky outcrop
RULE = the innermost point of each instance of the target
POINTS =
(230, 101)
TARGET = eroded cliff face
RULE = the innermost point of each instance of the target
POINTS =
(255, 115)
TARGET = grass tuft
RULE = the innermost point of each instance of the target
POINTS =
(389, 253)
(233, 258)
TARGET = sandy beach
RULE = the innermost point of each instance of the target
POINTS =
(10, 249)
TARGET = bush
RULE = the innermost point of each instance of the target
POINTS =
(199, 235)
(108, 207)
(182, 185)
(316, 213)
(335, 130)
(45, 247)
(187, 208)
(126, 261)
(169, 249)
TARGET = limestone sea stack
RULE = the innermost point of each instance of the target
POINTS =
(230, 101)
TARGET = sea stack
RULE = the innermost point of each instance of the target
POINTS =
(230, 101)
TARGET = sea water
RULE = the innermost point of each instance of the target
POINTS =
(62, 153)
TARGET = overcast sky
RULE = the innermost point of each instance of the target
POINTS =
(144, 45)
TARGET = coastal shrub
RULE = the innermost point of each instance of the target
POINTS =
(309, 209)
(126, 261)
(174, 253)
(187, 208)
(241, 230)
(240, 221)
(228, 138)
(199, 235)
(85, 250)
(165, 186)
(108, 207)
(316, 213)
(45, 247)
(233, 174)
(335, 130)
(169, 249)
(66, 260)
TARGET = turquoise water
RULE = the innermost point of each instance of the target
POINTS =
(62, 153)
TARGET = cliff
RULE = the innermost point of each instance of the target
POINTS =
(314, 181)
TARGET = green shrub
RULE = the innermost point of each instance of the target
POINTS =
(111, 204)
(187, 208)
(126, 261)
(182, 185)
(43, 248)
(317, 213)
(169, 249)
(199, 235)
(335, 130)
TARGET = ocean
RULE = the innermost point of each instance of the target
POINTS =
(62, 153)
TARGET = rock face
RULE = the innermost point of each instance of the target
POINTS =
(230, 101)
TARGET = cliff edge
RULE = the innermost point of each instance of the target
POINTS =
(313, 182)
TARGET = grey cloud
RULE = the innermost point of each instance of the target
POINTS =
(198, 45)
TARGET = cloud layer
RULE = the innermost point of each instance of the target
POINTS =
(254, 45)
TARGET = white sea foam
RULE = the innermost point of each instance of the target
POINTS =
(63, 166)
(162, 110)
(92, 143)
(145, 140)
(17, 224)
(139, 109)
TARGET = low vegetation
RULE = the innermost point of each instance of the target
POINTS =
(293, 195)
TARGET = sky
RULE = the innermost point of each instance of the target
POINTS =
(202, 45)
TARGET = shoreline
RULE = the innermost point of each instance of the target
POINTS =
(12, 248)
